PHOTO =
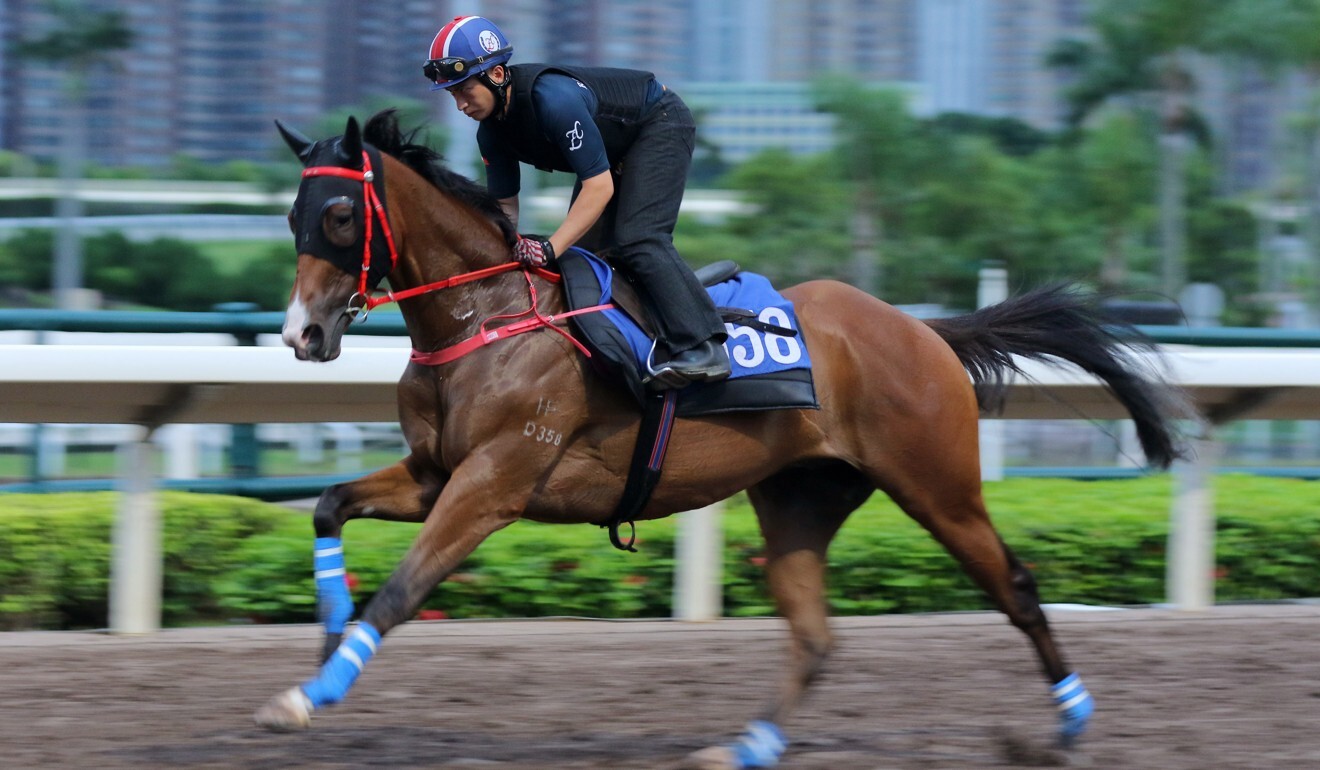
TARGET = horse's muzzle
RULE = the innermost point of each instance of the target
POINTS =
(316, 345)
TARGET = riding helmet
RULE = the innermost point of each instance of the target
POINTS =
(464, 47)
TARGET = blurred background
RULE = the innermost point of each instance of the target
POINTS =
(1166, 151)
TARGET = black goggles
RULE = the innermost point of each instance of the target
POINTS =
(452, 68)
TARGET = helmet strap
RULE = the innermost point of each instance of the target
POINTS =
(501, 90)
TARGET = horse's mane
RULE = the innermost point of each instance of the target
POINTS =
(382, 131)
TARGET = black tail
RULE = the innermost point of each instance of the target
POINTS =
(1054, 323)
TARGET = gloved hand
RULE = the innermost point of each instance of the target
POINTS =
(533, 250)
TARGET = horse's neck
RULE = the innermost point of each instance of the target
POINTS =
(442, 238)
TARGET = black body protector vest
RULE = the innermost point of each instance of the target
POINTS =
(620, 107)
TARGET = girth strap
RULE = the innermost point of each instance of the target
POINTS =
(741, 317)
(644, 470)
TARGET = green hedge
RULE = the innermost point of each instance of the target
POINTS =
(55, 555)
(230, 559)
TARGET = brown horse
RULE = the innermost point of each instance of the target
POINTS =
(898, 412)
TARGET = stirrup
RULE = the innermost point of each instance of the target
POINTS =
(663, 378)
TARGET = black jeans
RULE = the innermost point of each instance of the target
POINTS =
(637, 227)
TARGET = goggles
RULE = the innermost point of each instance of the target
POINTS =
(452, 68)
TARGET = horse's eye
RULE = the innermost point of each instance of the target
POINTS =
(337, 222)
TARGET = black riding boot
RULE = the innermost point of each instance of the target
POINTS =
(690, 334)
(707, 362)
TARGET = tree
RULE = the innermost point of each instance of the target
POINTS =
(1279, 36)
(881, 151)
(799, 227)
(970, 207)
(1112, 179)
(1012, 136)
(77, 41)
(1141, 54)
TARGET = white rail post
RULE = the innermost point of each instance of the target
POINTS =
(182, 454)
(698, 565)
(1189, 569)
(135, 569)
(992, 288)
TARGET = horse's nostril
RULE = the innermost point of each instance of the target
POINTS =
(314, 338)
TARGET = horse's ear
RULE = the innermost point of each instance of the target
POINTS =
(350, 147)
(300, 144)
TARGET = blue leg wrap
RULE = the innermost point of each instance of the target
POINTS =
(1075, 707)
(761, 746)
(334, 604)
(343, 667)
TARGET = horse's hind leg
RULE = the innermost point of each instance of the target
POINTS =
(954, 512)
(392, 493)
(799, 511)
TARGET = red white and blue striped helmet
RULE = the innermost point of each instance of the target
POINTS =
(462, 48)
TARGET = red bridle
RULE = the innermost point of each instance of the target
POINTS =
(372, 208)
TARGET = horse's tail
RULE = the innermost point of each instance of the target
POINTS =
(1054, 323)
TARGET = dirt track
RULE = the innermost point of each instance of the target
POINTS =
(1237, 687)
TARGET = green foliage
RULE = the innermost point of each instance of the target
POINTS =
(230, 558)
(942, 197)
(55, 555)
(1269, 32)
(799, 228)
(25, 259)
(1222, 250)
(14, 164)
(1010, 135)
(78, 37)
(266, 280)
(163, 273)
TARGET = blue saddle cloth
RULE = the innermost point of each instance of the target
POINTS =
(770, 371)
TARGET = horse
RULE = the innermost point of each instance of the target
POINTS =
(899, 405)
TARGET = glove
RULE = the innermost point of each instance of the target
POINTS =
(533, 251)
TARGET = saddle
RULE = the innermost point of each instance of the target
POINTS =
(771, 364)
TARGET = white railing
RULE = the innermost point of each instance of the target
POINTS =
(152, 386)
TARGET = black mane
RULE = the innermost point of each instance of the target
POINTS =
(382, 131)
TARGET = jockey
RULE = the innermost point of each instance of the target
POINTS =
(628, 139)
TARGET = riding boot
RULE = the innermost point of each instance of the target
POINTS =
(689, 332)
(707, 362)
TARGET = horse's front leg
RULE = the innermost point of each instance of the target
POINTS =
(465, 514)
(396, 493)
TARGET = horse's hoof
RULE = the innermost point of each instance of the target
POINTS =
(713, 758)
(290, 710)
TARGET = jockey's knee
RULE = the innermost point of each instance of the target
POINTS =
(641, 246)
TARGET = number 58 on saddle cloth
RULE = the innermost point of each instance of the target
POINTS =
(770, 371)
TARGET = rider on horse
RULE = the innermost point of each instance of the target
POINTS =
(629, 140)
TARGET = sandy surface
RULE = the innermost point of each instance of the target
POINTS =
(1234, 687)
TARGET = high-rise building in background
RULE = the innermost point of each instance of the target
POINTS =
(729, 41)
(639, 34)
(4, 69)
(205, 78)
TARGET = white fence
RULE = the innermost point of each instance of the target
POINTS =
(152, 386)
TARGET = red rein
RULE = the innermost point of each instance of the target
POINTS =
(373, 207)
